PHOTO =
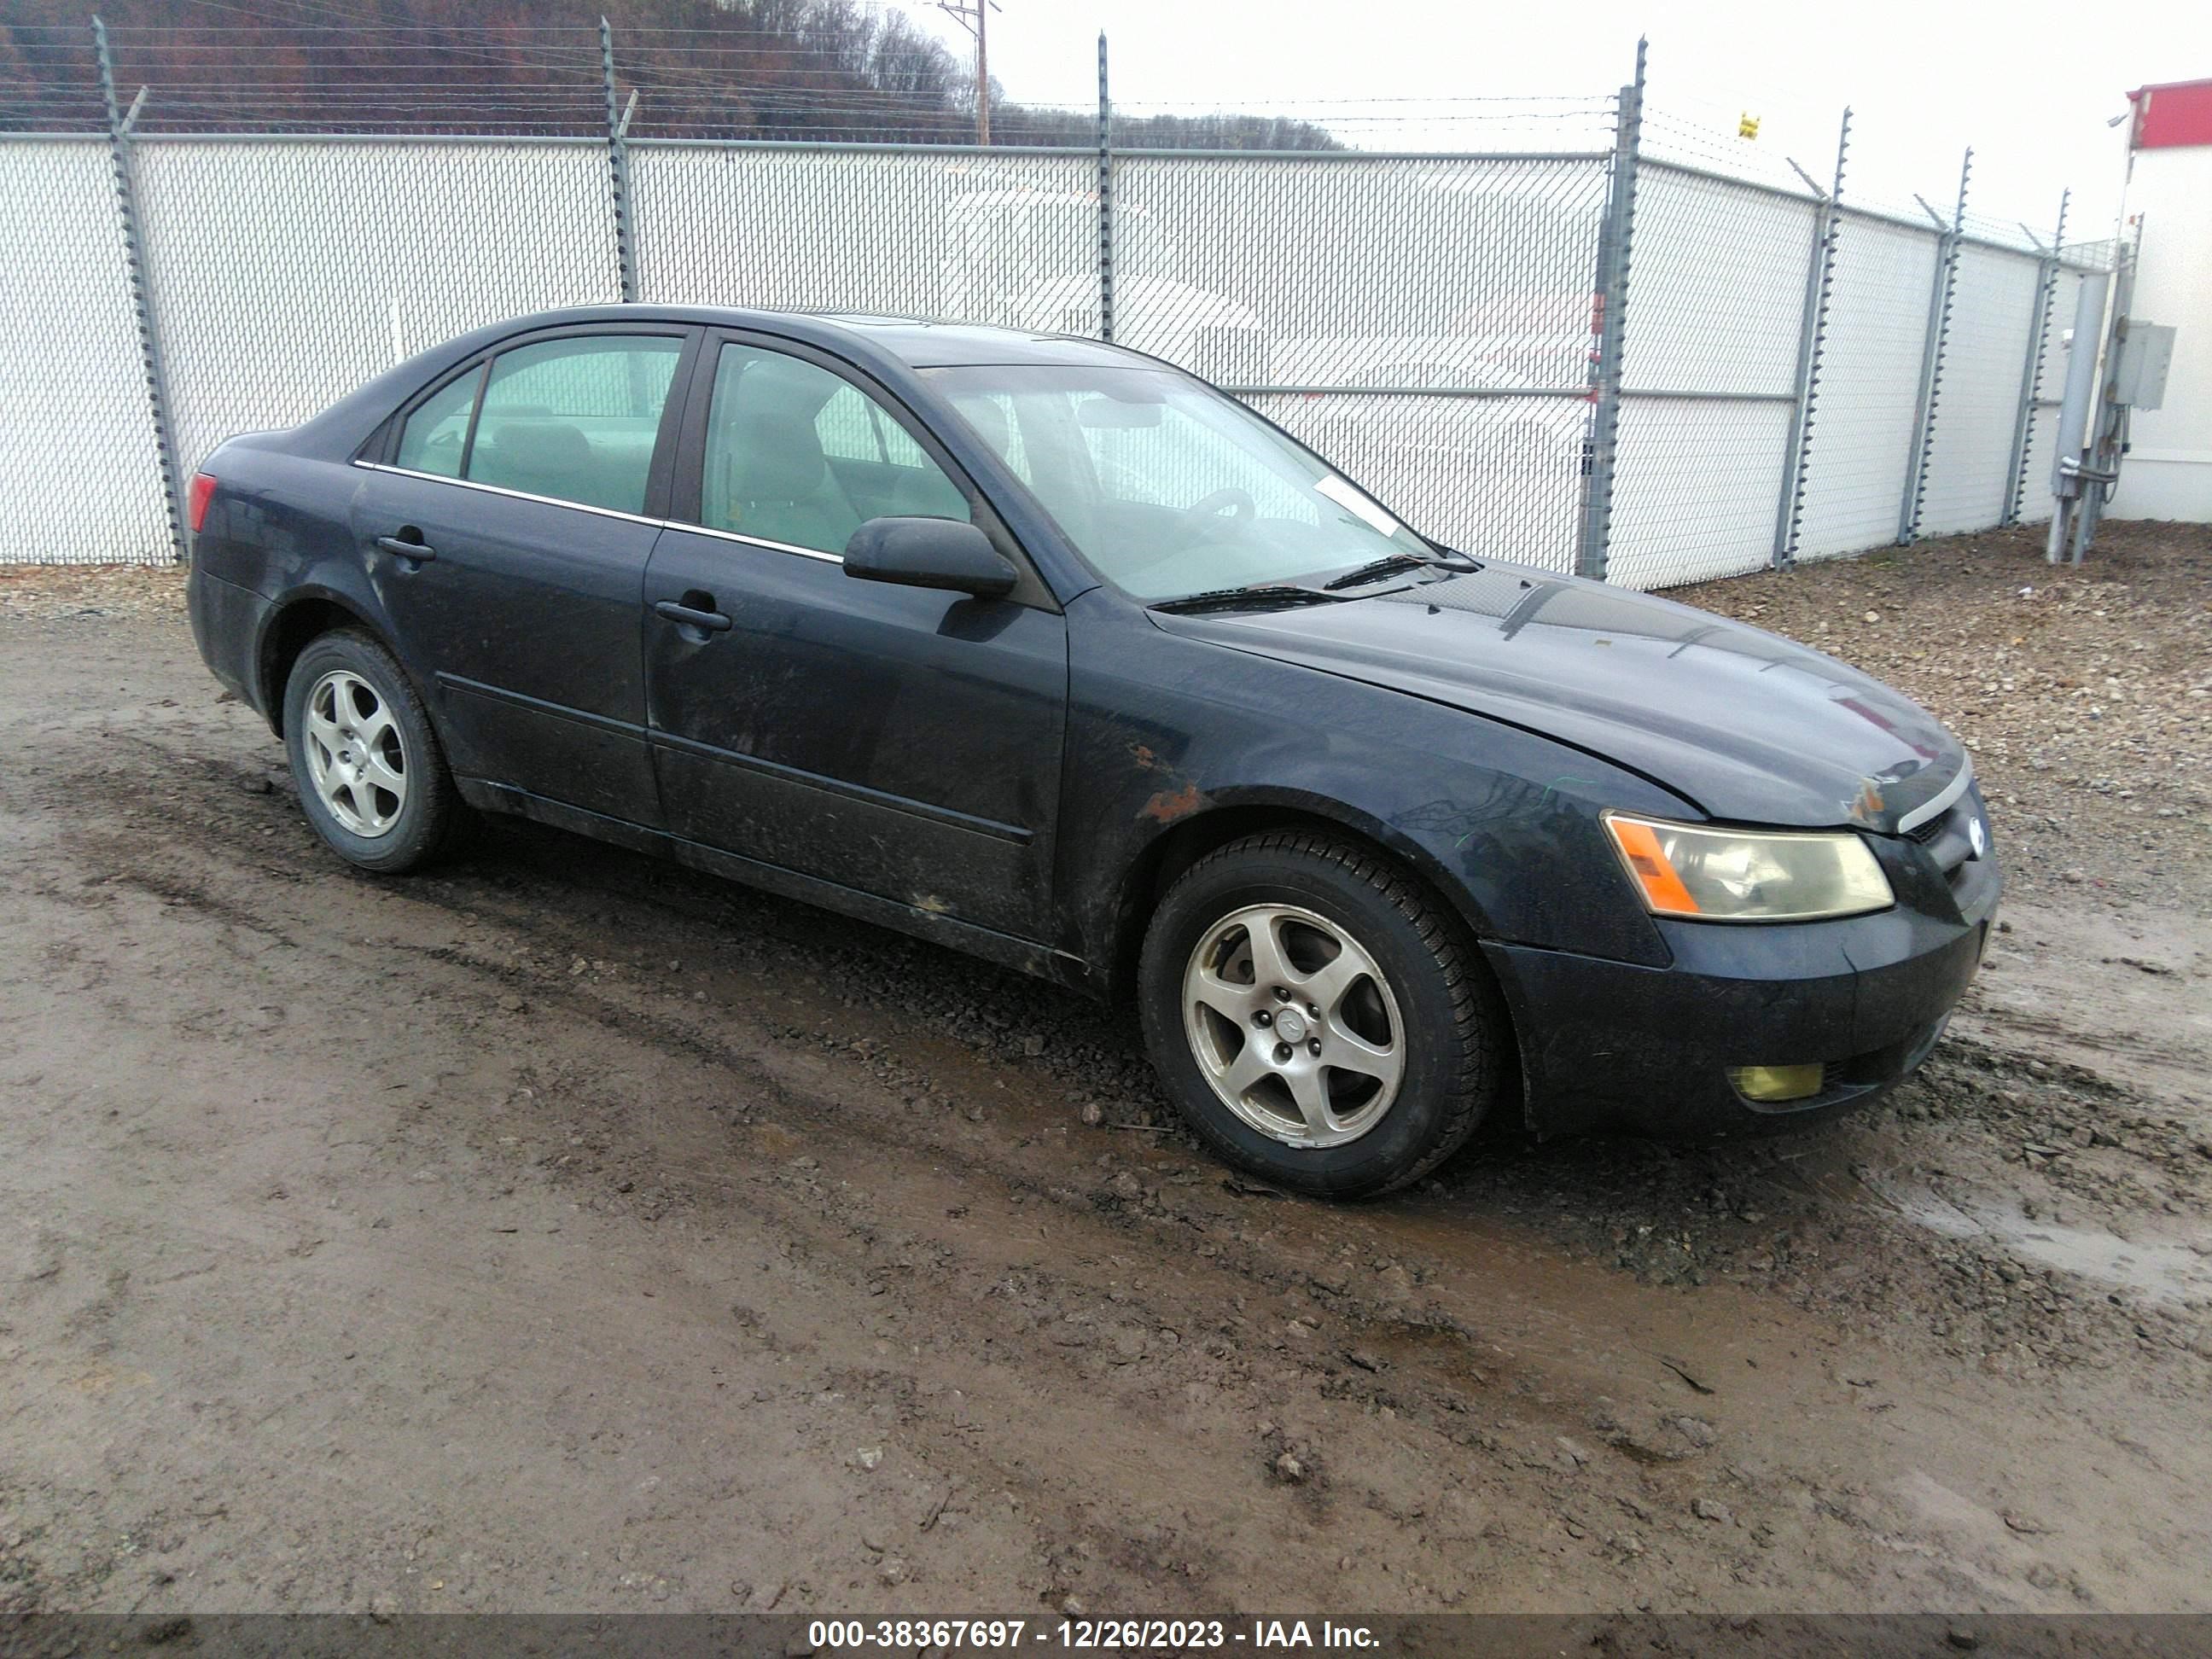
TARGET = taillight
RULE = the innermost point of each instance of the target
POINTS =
(202, 492)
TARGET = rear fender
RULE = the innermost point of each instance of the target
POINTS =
(287, 628)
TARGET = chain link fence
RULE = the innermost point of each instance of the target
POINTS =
(1971, 458)
(1005, 236)
(284, 272)
(1869, 389)
(77, 441)
(1795, 377)
(1709, 376)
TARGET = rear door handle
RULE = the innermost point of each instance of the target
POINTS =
(420, 552)
(713, 620)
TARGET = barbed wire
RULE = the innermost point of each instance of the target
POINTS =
(736, 79)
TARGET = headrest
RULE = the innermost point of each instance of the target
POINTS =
(771, 380)
(990, 419)
(540, 449)
(775, 456)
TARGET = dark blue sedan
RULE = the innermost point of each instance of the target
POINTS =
(1049, 652)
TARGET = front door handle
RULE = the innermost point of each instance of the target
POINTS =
(713, 620)
(420, 552)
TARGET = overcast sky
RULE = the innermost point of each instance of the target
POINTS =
(2029, 83)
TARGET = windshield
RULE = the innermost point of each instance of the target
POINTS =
(1166, 486)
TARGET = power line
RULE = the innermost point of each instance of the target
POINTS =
(974, 16)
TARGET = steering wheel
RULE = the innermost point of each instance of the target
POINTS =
(1232, 502)
(1223, 509)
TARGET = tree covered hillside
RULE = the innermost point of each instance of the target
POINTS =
(737, 69)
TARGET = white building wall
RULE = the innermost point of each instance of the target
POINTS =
(2167, 473)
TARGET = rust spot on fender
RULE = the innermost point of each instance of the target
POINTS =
(1866, 806)
(1179, 797)
(1168, 806)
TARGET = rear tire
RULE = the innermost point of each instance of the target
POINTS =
(1316, 1016)
(373, 777)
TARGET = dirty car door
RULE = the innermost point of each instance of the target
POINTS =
(902, 742)
(507, 536)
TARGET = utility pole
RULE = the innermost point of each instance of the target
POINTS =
(974, 16)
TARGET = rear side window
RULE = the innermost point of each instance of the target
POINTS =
(433, 438)
(575, 420)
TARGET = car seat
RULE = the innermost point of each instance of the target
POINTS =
(778, 486)
(540, 458)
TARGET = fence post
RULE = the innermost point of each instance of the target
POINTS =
(1105, 200)
(1615, 234)
(1931, 359)
(2100, 464)
(1811, 339)
(2030, 373)
(120, 124)
(618, 167)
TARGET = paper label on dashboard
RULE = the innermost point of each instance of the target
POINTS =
(1349, 498)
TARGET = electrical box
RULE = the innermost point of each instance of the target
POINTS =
(2139, 369)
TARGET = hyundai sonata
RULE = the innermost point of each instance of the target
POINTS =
(1048, 652)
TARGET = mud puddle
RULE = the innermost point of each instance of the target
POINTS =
(2178, 1272)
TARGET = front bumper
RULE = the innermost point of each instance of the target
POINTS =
(1611, 1044)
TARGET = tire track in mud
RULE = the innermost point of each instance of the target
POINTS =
(767, 954)
(1371, 1393)
(529, 882)
(1036, 1290)
(835, 1235)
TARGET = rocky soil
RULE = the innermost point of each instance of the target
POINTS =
(2085, 692)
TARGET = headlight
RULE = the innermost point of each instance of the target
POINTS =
(1748, 875)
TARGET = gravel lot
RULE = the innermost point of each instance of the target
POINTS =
(561, 1230)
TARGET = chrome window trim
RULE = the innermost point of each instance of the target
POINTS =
(515, 494)
(1942, 803)
(755, 541)
(606, 511)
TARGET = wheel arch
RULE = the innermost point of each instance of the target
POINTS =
(1230, 816)
(1168, 854)
(304, 618)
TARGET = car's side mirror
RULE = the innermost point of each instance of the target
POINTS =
(930, 553)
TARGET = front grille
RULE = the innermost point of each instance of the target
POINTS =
(1948, 837)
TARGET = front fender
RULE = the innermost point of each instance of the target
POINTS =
(1167, 733)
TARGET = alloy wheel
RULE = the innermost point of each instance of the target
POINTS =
(355, 758)
(1294, 1025)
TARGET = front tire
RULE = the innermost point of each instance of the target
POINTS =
(372, 778)
(1316, 1016)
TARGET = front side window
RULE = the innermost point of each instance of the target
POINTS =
(798, 455)
(1164, 485)
(574, 419)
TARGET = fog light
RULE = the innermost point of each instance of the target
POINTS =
(1772, 1082)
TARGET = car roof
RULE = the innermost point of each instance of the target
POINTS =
(891, 347)
(912, 342)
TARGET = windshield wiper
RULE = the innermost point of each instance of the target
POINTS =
(1224, 598)
(1391, 563)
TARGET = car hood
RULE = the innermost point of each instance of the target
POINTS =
(1744, 724)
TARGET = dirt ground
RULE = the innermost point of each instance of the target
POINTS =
(564, 1230)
